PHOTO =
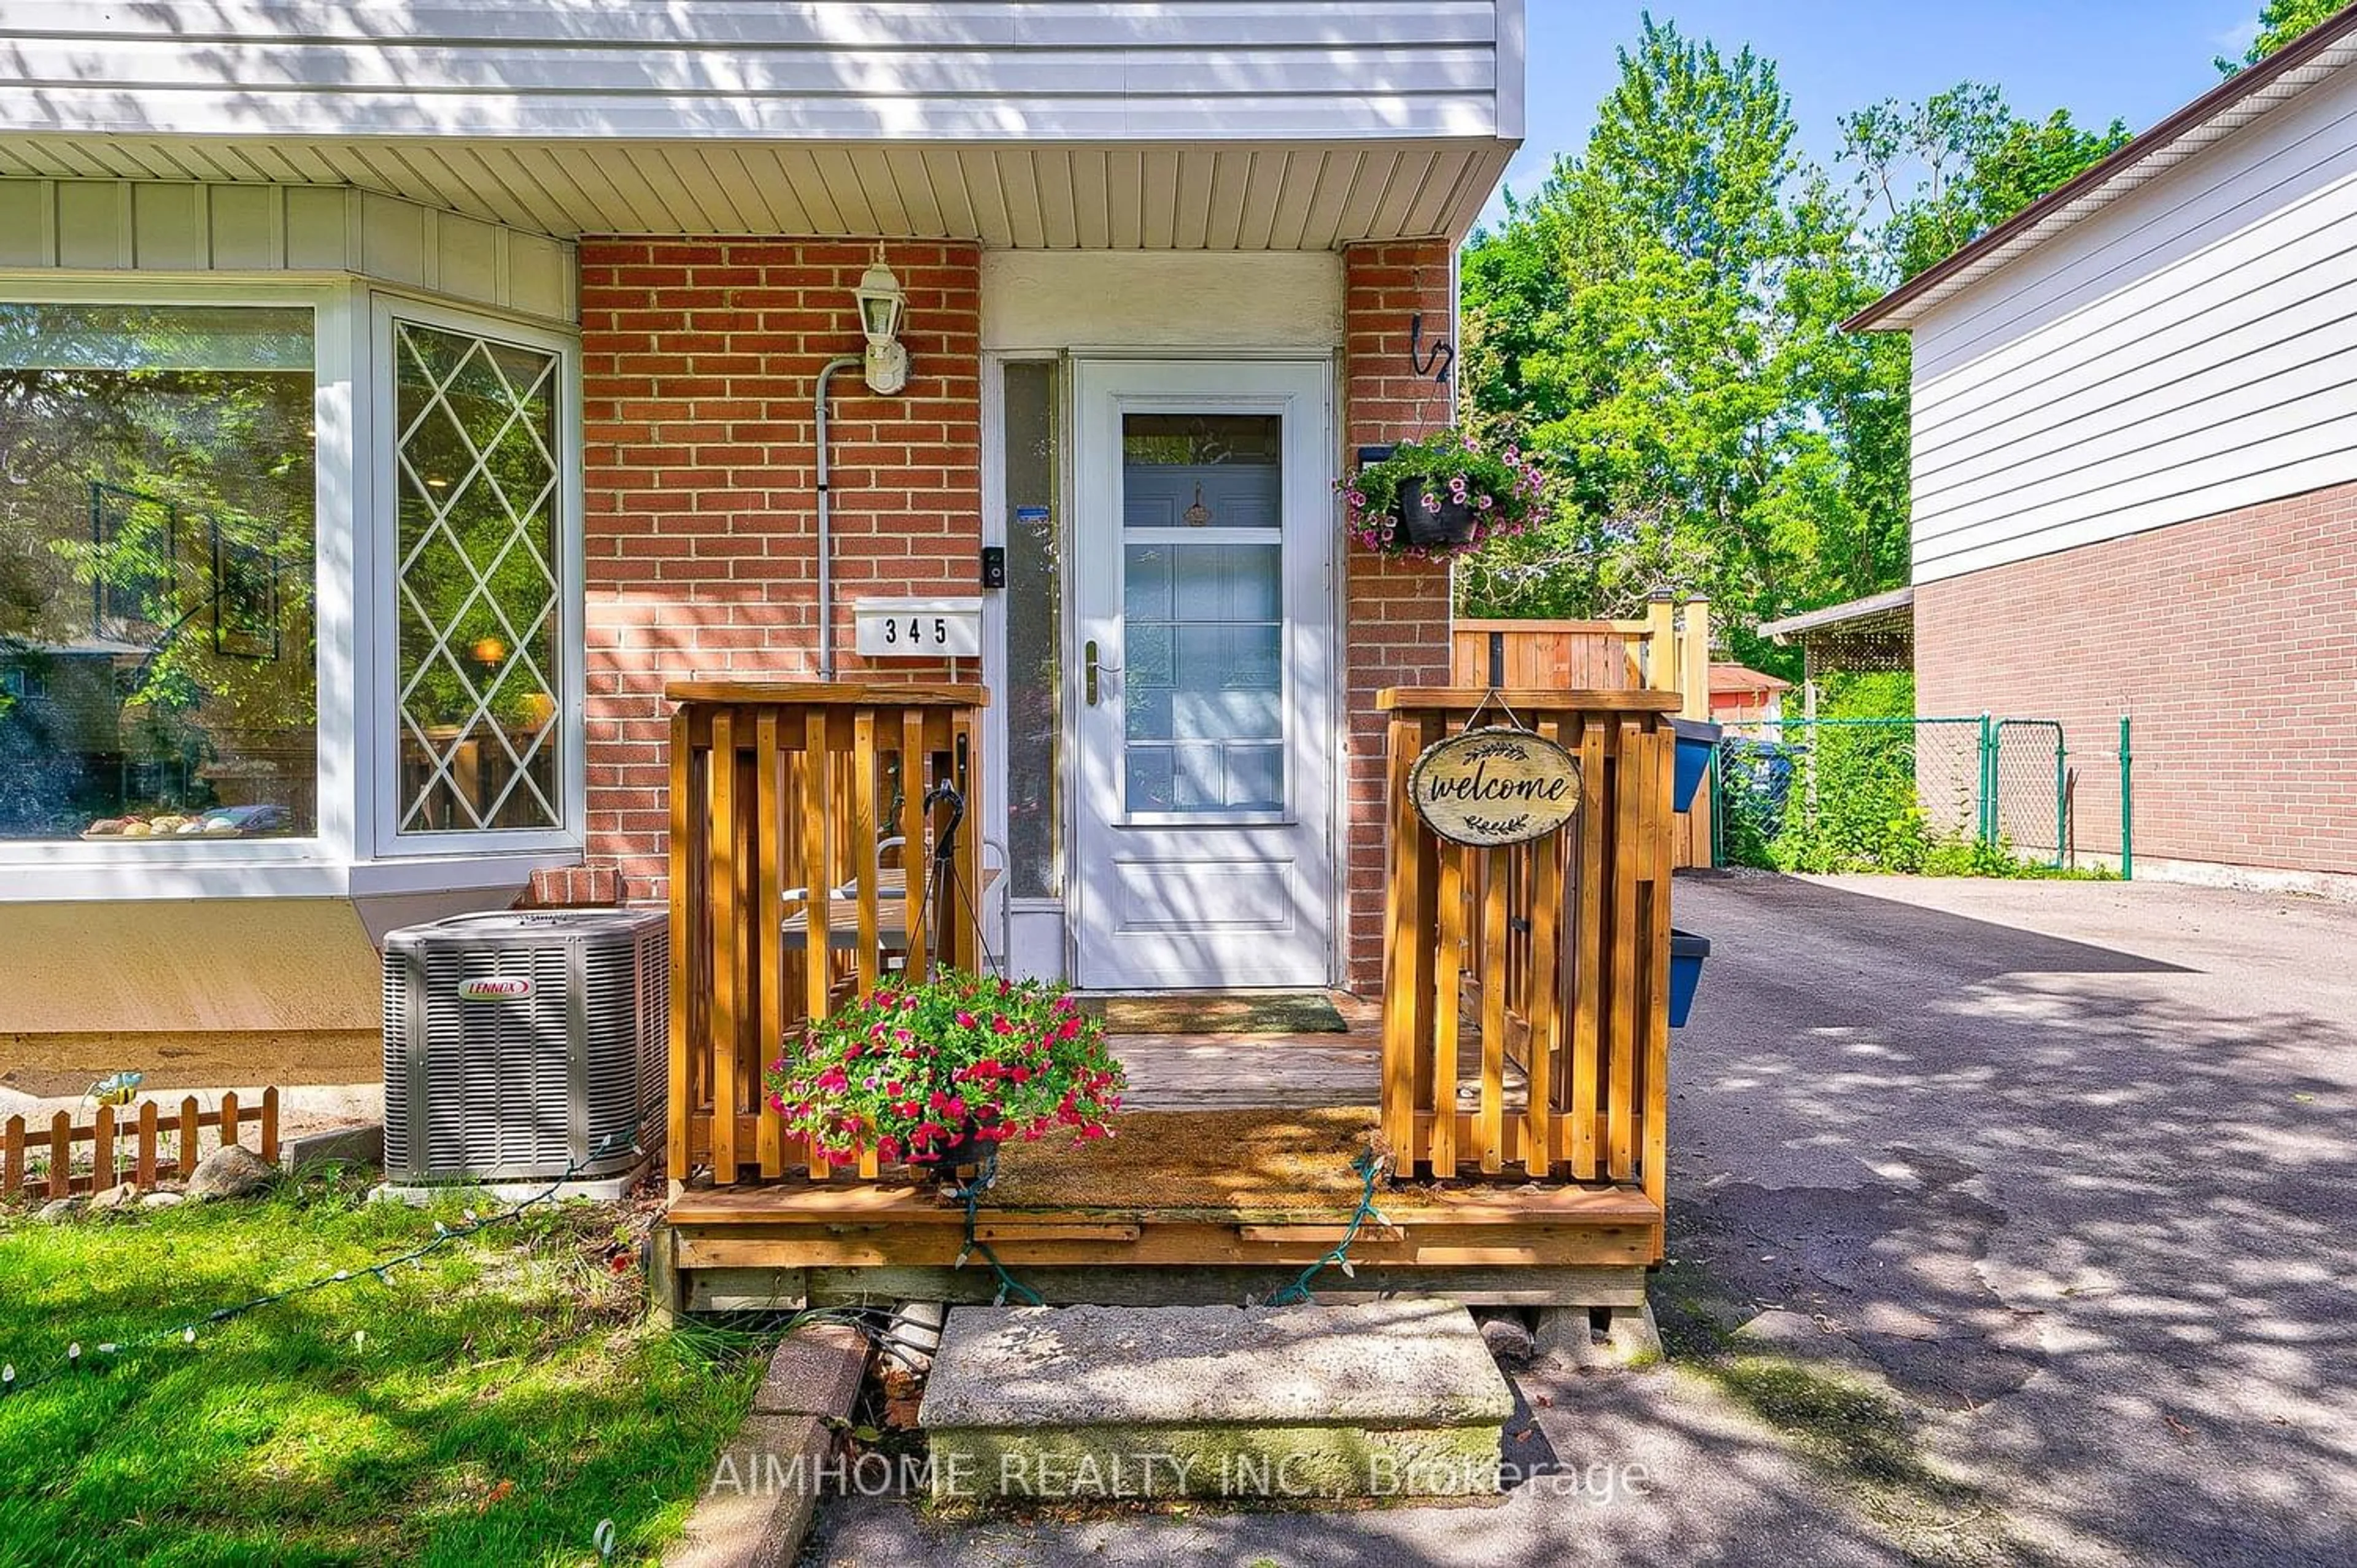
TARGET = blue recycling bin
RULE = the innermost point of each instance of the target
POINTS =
(1686, 952)
(1696, 741)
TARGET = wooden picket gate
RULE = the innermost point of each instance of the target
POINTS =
(784, 794)
(1547, 961)
(142, 1146)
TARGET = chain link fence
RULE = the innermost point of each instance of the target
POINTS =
(1906, 795)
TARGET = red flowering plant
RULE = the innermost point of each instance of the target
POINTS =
(939, 1072)
(1442, 495)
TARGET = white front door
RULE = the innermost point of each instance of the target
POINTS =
(1203, 775)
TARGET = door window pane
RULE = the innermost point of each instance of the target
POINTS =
(1203, 470)
(478, 657)
(1035, 636)
(156, 573)
(1203, 694)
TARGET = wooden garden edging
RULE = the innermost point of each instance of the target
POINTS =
(1551, 955)
(780, 789)
(149, 1157)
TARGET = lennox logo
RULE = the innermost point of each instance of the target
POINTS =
(500, 989)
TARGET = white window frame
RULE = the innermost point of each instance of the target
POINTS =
(170, 868)
(355, 850)
(387, 841)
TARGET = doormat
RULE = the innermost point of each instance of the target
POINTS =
(1288, 1012)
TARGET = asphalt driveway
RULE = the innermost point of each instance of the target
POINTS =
(2073, 1165)
(2011, 1222)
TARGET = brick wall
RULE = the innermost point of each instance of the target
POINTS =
(699, 360)
(1396, 611)
(2232, 640)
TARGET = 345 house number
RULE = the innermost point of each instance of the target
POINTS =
(918, 625)
(918, 628)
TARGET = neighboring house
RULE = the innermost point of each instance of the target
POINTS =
(1743, 695)
(2135, 471)
(481, 356)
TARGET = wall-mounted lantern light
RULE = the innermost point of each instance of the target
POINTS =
(881, 301)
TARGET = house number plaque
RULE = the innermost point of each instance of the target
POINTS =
(918, 629)
(1489, 788)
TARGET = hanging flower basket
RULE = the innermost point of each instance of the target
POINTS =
(937, 1074)
(1441, 496)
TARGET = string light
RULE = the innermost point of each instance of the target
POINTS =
(10, 1383)
(970, 1194)
(1370, 1167)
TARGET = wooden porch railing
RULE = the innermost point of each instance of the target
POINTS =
(783, 794)
(1549, 957)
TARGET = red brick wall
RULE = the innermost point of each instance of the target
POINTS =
(1396, 612)
(699, 360)
(2232, 640)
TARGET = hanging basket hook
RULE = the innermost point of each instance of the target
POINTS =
(1435, 364)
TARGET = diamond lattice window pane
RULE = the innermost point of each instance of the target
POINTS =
(478, 658)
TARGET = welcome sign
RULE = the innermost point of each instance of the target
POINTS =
(1490, 788)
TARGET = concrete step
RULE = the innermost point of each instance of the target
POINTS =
(1394, 1397)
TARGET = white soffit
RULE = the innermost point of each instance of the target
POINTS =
(1128, 196)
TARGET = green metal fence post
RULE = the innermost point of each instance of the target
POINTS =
(1717, 811)
(1989, 781)
(2062, 793)
(2127, 805)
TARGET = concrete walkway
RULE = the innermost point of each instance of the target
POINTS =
(2067, 1172)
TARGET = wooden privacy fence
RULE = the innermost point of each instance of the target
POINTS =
(1669, 650)
(799, 841)
(141, 1145)
(1537, 972)
(1562, 655)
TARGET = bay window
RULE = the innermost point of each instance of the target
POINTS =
(477, 474)
(289, 585)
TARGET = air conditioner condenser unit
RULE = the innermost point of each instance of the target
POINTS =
(523, 1045)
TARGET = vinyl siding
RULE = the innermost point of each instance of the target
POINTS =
(2190, 350)
(1036, 71)
(130, 225)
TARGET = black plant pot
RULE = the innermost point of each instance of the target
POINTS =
(966, 1149)
(1449, 528)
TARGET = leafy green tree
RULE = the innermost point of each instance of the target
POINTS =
(1932, 177)
(2281, 21)
(1660, 321)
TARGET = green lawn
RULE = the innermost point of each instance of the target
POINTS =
(490, 1405)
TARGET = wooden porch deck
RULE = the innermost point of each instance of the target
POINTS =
(1515, 1069)
(1229, 1172)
